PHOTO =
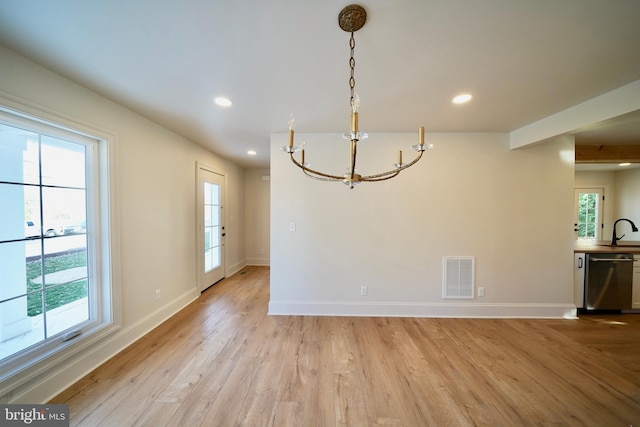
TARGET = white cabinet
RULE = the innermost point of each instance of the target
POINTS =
(635, 301)
(578, 279)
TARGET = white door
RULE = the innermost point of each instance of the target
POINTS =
(588, 213)
(210, 217)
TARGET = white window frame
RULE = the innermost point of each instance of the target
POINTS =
(45, 358)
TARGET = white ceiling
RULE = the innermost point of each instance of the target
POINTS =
(522, 60)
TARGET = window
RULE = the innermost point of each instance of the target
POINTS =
(55, 286)
(211, 226)
(588, 224)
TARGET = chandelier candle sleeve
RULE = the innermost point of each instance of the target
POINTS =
(421, 133)
(355, 106)
(399, 158)
(291, 124)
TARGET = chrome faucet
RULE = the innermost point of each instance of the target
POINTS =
(615, 238)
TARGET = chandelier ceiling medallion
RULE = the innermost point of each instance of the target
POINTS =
(351, 19)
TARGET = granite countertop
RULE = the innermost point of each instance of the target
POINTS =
(604, 246)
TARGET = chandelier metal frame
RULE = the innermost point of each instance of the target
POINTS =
(351, 19)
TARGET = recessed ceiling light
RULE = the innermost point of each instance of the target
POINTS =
(624, 164)
(462, 98)
(222, 101)
(251, 152)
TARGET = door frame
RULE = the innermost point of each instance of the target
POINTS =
(200, 285)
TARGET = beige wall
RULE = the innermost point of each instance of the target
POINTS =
(257, 185)
(628, 198)
(470, 196)
(156, 209)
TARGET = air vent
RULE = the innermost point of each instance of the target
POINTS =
(457, 277)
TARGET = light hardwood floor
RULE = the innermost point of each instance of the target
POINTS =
(223, 362)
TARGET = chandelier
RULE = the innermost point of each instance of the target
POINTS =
(351, 19)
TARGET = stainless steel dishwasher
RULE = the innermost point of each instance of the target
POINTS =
(608, 281)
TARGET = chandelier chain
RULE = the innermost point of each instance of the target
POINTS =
(352, 66)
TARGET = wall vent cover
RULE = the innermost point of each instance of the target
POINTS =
(457, 277)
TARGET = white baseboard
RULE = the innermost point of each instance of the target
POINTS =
(262, 262)
(385, 309)
(76, 367)
(233, 269)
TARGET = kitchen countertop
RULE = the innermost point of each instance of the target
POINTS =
(604, 246)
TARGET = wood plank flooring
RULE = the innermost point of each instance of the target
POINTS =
(223, 362)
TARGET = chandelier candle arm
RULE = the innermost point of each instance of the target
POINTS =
(385, 175)
(381, 176)
(318, 175)
(354, 150)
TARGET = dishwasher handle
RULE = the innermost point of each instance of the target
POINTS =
(611, 259)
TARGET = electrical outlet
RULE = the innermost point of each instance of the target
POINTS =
(157, 294)
(481, 291)
(364, 291)
(292, 226)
